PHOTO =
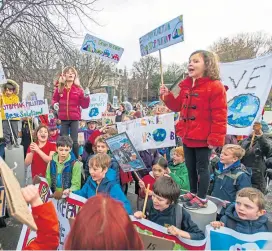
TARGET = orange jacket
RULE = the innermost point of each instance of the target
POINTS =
(48, 228)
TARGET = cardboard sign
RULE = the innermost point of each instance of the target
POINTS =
(3, 79)
(166, 35)
(16, 202)
(100, 48)
(156, 243)
(81, 139)
(26, 109)
(3, 202)
(32, 92)
(108, 118)
(125, 153)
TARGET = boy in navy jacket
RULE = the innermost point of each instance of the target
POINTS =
(164, 210)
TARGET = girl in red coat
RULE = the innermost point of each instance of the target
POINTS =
(202, 124)
(69, 98)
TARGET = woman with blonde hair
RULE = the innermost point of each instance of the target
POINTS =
(202, 125)
(68, 99)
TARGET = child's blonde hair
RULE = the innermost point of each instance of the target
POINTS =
(102, 160)
(211, 61)
(237, 150)
(100, 139)
(254, 195)
(179, 151)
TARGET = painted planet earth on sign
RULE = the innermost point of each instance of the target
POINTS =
(159, 135)
(93, 112)
(242, 110)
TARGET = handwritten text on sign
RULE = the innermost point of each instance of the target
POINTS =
(26, 109)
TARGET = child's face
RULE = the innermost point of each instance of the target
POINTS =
(70, 75)
(160, 203)
(158, 171)
(177, 159)
(91, 126)
(9, 92)
(42, 135)
(52, 132)
(97, 173)
(101, 147)
(63, 152)
(196, 67)
(227, 157)
(247, 209)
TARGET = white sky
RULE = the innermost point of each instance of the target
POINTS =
(125, 21)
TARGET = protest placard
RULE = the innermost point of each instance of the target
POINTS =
(3, 79)
(150, 132)
(165, 35)
(102, 49)
(125, 153)
(108, 118)
(26, 109)
(228, 239)
(3, 202)
(156, 243)
(17, 206)
(249, 82)
(98, 105)
(32, 92)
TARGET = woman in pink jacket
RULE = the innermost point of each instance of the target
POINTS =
(68, 99)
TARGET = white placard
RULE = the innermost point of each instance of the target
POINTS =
(32, 91)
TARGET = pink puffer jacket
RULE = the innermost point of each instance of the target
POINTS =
(70, 102)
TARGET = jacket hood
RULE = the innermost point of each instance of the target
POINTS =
(235, 166)
(14, 84)
(231, 213)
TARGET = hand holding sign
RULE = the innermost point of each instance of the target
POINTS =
(32, 196)
(164, 90)
(257, 127)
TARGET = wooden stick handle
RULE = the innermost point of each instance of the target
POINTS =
(146, 197)
(252, 140)
(30, 130)
(136, 174)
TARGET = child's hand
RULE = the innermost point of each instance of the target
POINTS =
(225, 203)
(150, 192)
(164, 90)
(166, 175)
(57, 195)
(141, 184)
(32, 196)
(177, 232)
(139, 215)
(168, 171)
(210, 147)
(66, 192)
(217, 224)
(34, 147)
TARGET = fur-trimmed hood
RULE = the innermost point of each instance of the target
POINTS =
(14, 84)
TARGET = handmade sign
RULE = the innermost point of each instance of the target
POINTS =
(3, 79)
(108, 118)
(32, 92)
(228, 239)
(17, 206)
(81, 139)
(156, 243)
(65, 208)
(102, 49)
(150, 228)
(166, 35)
(125, 153)
(3, 202)
(26, 109)
(150, 132)
(249, 82)
(98, 105)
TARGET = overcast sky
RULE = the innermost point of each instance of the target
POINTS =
(205, 21)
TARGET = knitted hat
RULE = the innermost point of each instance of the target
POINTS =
(52, 125)
(93, 136)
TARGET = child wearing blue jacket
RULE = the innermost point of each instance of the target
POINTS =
(102, 180)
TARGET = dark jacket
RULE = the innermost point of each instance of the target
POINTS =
(115, 166)
(167, 218)
(227, 182)
(108, 186)
(245, 226)
(255, 159)
(149, 157)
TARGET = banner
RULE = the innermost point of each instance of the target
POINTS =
(124, 152)
(108, 118)
(150, 132)
(249, 83)
(65, 208)
(32, 92)
(98, 105)
(3, 79)
(102, 49)
(26, 109)
(150, 228)
(228, 239)
(166, 35)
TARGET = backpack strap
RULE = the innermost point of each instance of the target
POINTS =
(179, 214)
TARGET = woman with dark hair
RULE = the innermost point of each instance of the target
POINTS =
(103, 224)
(120, 114)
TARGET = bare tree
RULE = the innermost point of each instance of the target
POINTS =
(242, 46)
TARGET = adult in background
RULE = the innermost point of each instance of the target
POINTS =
(202, 125)
(111, 227)
(120, 114)
(68, 99)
